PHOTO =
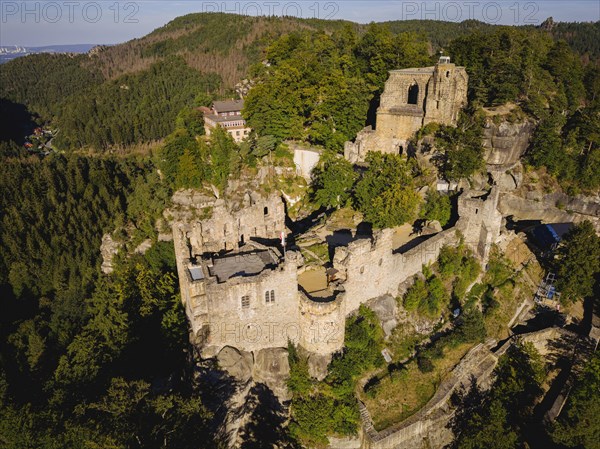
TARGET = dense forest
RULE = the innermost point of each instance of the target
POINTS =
(103, 361)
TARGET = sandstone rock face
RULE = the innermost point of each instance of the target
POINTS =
(555, 207)
(109, 248)
(386, 310)
(506, 142)
(272, 368)
(317, 365)
(238, 364)
(192, 198)
(144, 246)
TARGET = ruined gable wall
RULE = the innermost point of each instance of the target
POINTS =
(396, 118)
(480, 221)
(442, 92)
(261, 325)
(226, 228)
(447, 94)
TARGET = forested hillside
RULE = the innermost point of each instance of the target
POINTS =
(96, 99)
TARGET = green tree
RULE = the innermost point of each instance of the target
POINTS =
(463, 152)
(578, 262)
(332, 181)
(386, 195)
(437, 207)
(578, 425)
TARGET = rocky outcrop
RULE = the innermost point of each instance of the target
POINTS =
(238, 364)
(317, 365)
(386, 309)
(109, 248)
(143, 247)
(554, 207)
(506, 142)
(271, 367)
(268, 366)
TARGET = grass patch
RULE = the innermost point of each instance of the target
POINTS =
(400, 394)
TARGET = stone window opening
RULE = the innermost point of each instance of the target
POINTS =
(476, 211)
(269, 296)
(362, 270)
(401, 150)
(413, 94)
(447, 73)
(245, 301)
(266, 211)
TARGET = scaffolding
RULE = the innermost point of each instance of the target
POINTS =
(546, 291)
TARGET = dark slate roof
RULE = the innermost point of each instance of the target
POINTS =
(229, 105)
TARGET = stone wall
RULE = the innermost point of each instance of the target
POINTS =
(369, 268)
(262, 324)
(411, 99)
(480, 220)
(428, 427)
(322, 325)
(228, 228)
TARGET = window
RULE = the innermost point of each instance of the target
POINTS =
(413, 94)
(269, 296)
(245, 301)
(266, 211)
(237, 133)
(448, 74)
(362, 270)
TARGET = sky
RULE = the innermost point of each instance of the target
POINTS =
(54, 22)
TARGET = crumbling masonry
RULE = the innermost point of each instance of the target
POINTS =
(411, 99)
(239, 289)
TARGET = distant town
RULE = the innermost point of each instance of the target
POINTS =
(8, 52)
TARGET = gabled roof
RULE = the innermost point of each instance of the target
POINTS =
(228, 105)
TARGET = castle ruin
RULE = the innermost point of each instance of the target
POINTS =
(240, 287)
(411, 99)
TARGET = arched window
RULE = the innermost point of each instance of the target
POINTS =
(413, 94)
(266, 211)
(269, 296)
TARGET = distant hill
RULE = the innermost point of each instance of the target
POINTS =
(8, 53)
(145, 82)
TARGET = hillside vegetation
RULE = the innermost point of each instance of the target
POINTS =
(192, 60)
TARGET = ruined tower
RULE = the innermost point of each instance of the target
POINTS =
(411, 99)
